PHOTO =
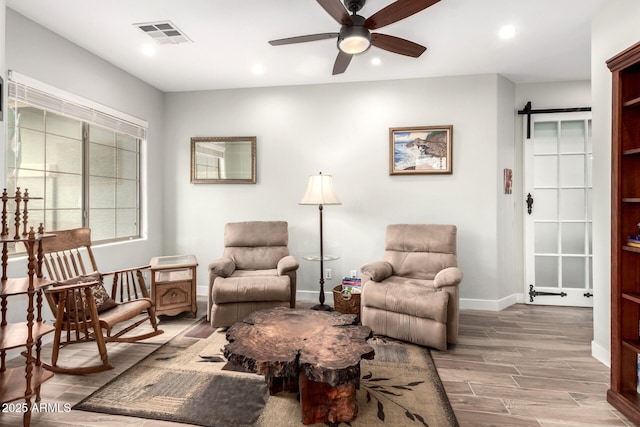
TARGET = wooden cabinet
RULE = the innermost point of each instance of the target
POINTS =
(24, 381)
(625, 217)
(173, 284)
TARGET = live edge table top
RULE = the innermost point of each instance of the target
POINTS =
(289, 346)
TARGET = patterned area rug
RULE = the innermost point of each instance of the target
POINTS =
(188, 380)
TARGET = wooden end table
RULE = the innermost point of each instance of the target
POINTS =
(315, 352)
(173, 284)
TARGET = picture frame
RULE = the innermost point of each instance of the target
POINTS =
(421, 150)
(508, 181)
(223, 160)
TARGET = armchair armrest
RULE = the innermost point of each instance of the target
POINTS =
(377, 270)
(451, 276)
(222, 267)
(286, 264)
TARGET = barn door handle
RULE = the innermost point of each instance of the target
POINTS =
(529, 203)
(533, 293)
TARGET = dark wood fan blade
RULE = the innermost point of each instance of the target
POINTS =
(337, 11)
(397, 45)
(342, 62)
(303, 39)
(396, 11)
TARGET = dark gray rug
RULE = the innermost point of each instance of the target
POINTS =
(187, 381)
(175, 383)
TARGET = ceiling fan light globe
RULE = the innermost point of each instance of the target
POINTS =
(354, 40)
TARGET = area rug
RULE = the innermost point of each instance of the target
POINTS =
(188, 380)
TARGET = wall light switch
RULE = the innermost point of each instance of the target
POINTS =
(327, 273)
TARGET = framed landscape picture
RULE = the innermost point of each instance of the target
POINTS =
(421, 150)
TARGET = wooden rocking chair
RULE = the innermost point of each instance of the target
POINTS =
(83, 310)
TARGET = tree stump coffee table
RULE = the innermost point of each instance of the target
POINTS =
(315, 352)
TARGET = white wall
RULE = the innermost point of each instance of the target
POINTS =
(614, 29)
(40, 54)
(343, 130)
(509, 251)
(553, 95)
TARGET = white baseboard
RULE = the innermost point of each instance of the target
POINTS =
(465, 303)
(601, 354)
(491, 305)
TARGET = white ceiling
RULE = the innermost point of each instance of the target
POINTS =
(230, 36)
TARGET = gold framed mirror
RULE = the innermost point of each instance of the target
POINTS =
(223, 160)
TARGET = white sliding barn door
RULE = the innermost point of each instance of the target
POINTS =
(557, 184)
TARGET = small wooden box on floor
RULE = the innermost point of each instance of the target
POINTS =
(173, 284)
(345, 305)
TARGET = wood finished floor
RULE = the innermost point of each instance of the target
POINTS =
(527, 366)
(523, 366)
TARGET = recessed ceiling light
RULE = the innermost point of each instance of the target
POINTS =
(258, 69)
(148, 49)
(507, 32)
(376, 61)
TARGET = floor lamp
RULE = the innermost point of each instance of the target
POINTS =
(320, 192)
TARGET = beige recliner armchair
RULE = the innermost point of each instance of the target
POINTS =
(412, 295)
(255, 272)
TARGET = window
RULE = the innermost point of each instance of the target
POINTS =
(85, 164)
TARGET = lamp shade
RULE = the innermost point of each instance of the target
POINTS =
(320, 191)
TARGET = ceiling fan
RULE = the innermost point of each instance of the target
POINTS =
(355, 36)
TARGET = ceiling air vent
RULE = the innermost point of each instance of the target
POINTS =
(164, 32)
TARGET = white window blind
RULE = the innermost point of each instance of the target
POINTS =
(81, 157)
(24, 89)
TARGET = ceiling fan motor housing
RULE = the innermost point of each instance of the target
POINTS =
(354, 5)
(355, 35)
(356, 31)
